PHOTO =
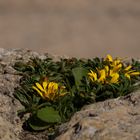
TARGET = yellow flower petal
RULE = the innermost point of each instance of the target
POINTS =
(117, 67)
(116, 62)
(45, 85)
(127, 75)
(39, 87)
(135, 73)
(102, 76)
(40, 93)
(92, 75)
(109, 58)
(114, 78)
(128, 68)
(111, 73)
(91, 71)
(55, 87)
(50, 87)
(107, 69)
(131, 73)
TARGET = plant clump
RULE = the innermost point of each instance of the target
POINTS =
(112, 71)
(51, 92)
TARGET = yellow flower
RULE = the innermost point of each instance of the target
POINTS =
(49, 90)
(107, 69)
(134, 73)
(92, 75)
(102, 74)
(110, 72)
(128, 72)
(117, 68)
(116, 64)
(114, 78)
(128, 68)
(109, 58)
(131, 73)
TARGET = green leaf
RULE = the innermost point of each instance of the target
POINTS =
(20, 66)
(49, 115)
(36, 124)
(22, 98)
(79, 73)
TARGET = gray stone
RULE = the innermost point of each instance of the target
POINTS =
(115, 119)
(10, 124)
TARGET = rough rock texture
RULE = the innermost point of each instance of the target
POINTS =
(10, 124)
(115, 119)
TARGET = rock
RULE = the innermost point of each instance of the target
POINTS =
(114, 119)
(10, 124)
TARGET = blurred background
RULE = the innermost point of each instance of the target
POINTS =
(81, 28)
